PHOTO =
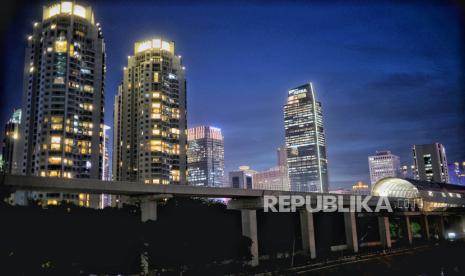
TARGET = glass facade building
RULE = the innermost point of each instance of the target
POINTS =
(205, 156)
(150, 137)
(305, 141)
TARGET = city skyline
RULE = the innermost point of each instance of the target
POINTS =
(257, 149)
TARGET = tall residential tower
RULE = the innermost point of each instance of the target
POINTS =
(305, 141)
(205, 156)
(150, 116)
(63, 95)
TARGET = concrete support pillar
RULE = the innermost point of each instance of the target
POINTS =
(308, 233)
(351, 231)
(249, 229)
(442, 230)
(384, 232)
(426, 227)
(462, 225)
(148, 210)
(408, 228)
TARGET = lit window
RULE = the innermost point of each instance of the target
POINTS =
(54, 160)
(61, 46)
(59, 80)
(56, 139)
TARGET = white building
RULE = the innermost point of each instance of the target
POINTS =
(383, 164)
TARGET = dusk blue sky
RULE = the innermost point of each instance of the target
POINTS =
(388, 76)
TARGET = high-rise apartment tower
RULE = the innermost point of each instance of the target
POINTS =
(150, 116)
(63, 95)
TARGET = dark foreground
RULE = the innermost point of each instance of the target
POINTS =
(442, 259)
(191, 237)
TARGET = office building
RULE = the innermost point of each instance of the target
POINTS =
(272, 179)
(242, 179)
(205, 156)
(275, 178)
(383, 164)
(305, 141)
(10, 143)
(150, 116)
(430, 162)
(63, 97)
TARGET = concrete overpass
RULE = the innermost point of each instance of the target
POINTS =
(247, 202)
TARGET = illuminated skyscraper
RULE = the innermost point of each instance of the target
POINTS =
(63, 97)
(305, 141)
(10, 142)
(430, 162)
(150, 116)
(383, 164)
(205, 156)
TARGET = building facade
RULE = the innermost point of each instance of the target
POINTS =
(430, 162)
(150, 116)
(272, 179)
(10, 143)
(205, 156)
(242, 179)
(106, 173)
(457, 173)
(105, 199)
(305, 141)
(63, 96)
(275, 178)
(383, 164)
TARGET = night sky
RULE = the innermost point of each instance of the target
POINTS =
(388, 76)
